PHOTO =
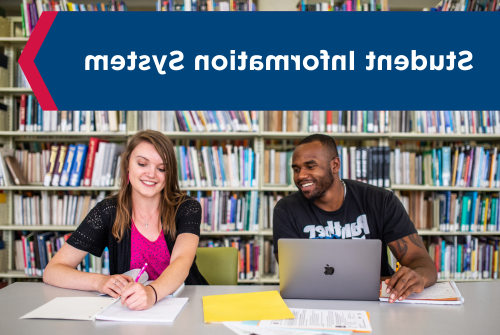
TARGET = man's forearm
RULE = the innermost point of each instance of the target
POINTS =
(426, 269)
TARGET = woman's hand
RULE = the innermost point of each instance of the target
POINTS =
(138, 297)
(113, 285)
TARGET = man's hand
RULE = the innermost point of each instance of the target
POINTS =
(418, 270)
(403, 283)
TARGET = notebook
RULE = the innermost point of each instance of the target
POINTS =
(444, 293)
(103, 308)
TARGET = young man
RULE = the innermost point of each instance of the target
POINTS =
(328, 207)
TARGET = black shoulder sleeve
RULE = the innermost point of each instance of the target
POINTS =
(188, 217)
(92, 234)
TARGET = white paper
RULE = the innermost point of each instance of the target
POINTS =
(254, 330)
(165, 310)
(251, 327)
(444, 290)
(323, 319)
(76, 308)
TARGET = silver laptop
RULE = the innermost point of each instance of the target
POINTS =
(329, 269)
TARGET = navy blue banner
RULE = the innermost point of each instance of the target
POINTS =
(271, 60)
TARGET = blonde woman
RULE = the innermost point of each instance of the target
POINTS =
(148, 221)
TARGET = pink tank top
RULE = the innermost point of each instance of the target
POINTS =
(155, 253)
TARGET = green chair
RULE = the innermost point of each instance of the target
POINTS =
(219, 266)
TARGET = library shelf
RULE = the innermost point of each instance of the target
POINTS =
(58, 188)
(284, 135)
(17, 274)
(219, 188)
(279, 188)
(73, 228)
(114, 188)
(38, 228)
(13, 40)
(205, 135)
(21, 135)
(16, 90)
(443, 137)
(442, 188)
(426, 232)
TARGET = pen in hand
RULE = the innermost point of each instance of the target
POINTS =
(141, 272)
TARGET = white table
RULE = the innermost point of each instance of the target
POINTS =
(480, 314)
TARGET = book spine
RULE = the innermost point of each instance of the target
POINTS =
(89, 165)
(56, 177)
(78, 165)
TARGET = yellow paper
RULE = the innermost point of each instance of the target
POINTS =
(245, 307)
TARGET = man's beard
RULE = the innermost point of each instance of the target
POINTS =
(322, 185)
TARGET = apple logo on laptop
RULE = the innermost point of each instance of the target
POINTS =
(329, 270)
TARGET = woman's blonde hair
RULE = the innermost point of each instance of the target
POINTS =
(171, 195)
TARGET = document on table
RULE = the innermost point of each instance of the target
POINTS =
(445, 293)
(250, 327)
(323, 319)
(165, 310)
(75, 308)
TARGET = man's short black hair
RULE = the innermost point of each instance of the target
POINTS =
(326, 141)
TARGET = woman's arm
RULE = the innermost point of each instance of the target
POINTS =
(61, 272)
(138, 297)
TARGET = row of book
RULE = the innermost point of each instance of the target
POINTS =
(426, 122)
(28, 116)
(462, 166)
(31, 10)
(33, 119)
(59, 209)
(465, 257)
(446, 122)
(370, 165)
(452, 211)
(269, 200)
(199, 121)
(97, 164)
(248, 255)
(270, 263)
(327, 121)
(229, 211)
(34, 251)
(346, 6)
(205, 6)
(20, 79)
(468, 5)
(230, 164)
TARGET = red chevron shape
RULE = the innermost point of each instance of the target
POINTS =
(27, 61)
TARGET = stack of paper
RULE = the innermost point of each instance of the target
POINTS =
(445, 293)
(245, 307)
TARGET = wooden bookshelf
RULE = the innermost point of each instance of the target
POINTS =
(10, 138)
(442, 188)
(16, 90)
(13, 40)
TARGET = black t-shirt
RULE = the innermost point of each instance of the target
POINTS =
(368, 212)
